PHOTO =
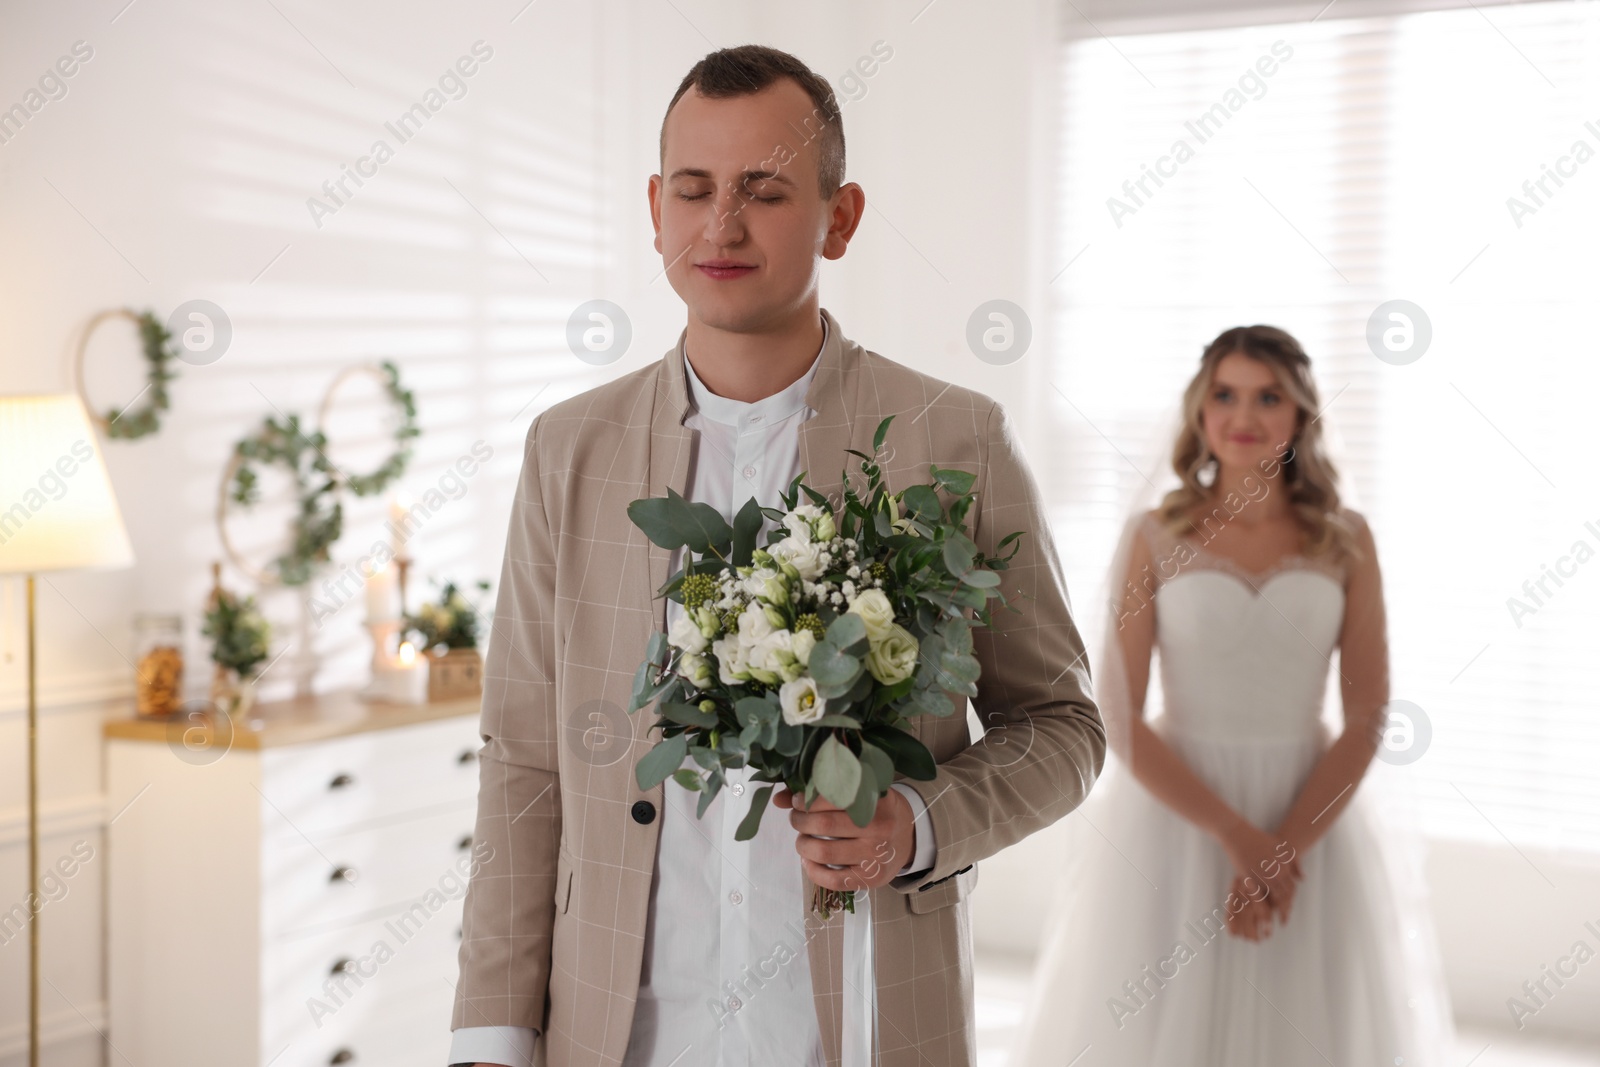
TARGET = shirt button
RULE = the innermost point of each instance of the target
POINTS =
(738, 789)
(749, 472)
(734, 1003)
(736, 896)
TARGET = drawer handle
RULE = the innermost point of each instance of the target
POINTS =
(465, 844)
(344, 1055)
(344, 965)
(343, 874)
(465, 757)
(340, 781)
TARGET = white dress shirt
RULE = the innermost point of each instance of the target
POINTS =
(735, 992)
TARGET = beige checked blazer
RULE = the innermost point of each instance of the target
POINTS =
(555, 921)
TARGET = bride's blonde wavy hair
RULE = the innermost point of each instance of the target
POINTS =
(1308, 473)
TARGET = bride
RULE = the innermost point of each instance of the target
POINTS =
(1253, 908)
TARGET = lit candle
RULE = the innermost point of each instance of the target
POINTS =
(381, 589)
(410, 676)
(403, 527)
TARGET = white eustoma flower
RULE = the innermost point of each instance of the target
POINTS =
(804, 556)
(801, 645)
(732, 666)
(771, 657)
(893, 659)
(685, 634)
(755, 583)
(800, 702)
(753, 625)
(876, 611)
(797, 524)
(710, 625)
(696, 669)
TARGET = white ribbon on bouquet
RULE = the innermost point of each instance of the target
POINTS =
(860, 1042)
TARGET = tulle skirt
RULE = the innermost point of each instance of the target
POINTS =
(1137, 967)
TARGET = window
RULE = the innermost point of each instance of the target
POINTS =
(1302, 175)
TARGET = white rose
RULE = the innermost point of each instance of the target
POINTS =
(800, 702)
(894, 659)
(876, 611)
(685, 634)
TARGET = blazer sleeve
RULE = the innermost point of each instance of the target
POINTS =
(1043, 744)
(509, 911)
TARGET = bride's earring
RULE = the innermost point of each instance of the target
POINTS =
(1207, 474)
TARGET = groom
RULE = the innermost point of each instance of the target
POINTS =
(613, 927)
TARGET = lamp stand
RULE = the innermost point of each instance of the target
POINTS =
(33, 840)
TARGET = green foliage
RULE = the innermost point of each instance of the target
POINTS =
(451, 620)
(129, 424)
(939, 585)
(238, 631)
(319, 515)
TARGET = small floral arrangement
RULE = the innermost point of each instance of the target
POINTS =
(452, 621)
(240, 633)
(804, 660)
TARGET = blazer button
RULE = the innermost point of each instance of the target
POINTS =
(644, 812)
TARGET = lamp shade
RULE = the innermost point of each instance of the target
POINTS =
(57, 510)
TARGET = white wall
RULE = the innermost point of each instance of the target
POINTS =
(178, 166)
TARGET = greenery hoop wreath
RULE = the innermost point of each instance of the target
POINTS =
(132, 423)
(319, 519)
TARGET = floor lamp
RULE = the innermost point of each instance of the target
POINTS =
(59, 514)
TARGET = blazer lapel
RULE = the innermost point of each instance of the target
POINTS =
(826, 435)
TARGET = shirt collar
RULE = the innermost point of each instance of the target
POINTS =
(767, 411)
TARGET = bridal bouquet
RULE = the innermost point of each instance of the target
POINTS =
(804, 659)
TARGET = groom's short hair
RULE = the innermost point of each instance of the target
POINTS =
(748, 69)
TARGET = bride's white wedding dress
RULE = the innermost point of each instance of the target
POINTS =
(1137, 967)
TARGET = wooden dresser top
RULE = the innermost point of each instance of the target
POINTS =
(289, 722)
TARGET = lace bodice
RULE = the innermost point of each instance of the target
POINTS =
(1242, 653)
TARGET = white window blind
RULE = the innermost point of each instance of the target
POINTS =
(1375, 161)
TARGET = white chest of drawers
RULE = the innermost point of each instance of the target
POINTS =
(292, 897)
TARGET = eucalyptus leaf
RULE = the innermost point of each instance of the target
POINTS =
(687, 714)
(876, 761)
(751, 823)
(838, 720)
(929, 702)
(836, 773)
(958, 554)
(957, 482)
(790, 739)
(687, 778)
(846, 631)
(981, 579)
(746, 525)
(911, 757)
(832, 668)
(881, 433)
(923, 502)
(865, 806)
(661, 761)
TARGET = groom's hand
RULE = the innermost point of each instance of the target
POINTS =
(861, 857)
